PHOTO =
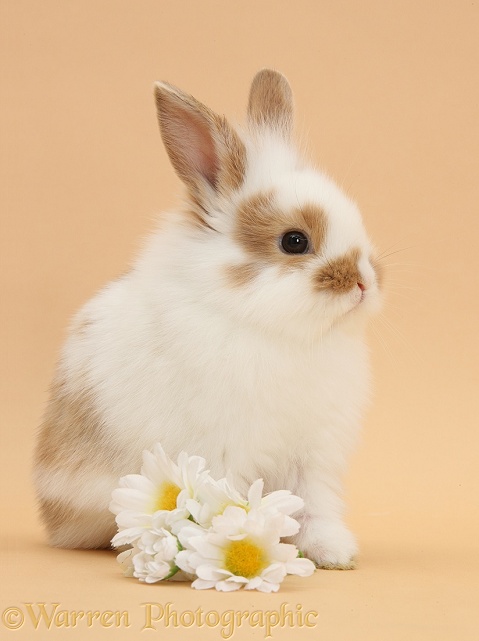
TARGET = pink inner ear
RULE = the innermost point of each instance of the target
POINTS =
(197, 146)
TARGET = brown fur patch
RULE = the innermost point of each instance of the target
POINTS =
(339, 275)
(71, 435)
(68, 527)
(56, 513)
(315, 223)
(72, 441)
(271, 101)
(239, 275)
(261, 224)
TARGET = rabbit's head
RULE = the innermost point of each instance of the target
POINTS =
(272, 241)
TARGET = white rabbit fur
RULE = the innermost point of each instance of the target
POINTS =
(209, 348)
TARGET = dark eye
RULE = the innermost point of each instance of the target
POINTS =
(295, 242)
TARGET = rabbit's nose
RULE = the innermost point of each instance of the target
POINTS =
(362, 287)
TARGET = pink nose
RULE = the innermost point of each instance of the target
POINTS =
(361, 287)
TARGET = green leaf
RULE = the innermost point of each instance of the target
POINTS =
(172, 573)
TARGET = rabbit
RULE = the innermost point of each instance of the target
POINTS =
(238, 334)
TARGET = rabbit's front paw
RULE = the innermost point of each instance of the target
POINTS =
(330, 545)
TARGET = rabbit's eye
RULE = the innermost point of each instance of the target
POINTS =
(295, 242)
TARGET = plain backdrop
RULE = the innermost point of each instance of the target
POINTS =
(387, 101)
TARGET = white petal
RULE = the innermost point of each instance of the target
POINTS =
(159, 468)
(236, 579)
(226, 586)
(127, 536)
(253, 583)
(125, 559)
(282, 501)
(188, 531)
(157, 571)
(124, 556)
(167, 518)
(200, 584)
(273, 525)
(182, 497)
(136, 482)
(290, 526)
(265, 586)
(132, 518)
(220, 540)
(193, 470)
(151, 578)
(195, 560)
(284, 552)
(211, 573)
(228, 487)
(183, 561)
(231, 521)
(275, 573)
(255, 522)
(301, 567)
(205, 548)
(218, 496)
(255, 493)
(131, 499)
(202, 513)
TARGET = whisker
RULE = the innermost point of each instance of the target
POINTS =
(348, 177)
(398, 283)
(402, 338)
(391, 287)
(383, 256)
(411, 267)
(418, 265)
(403, 294)
(389, 247)
(421, 293)
(383, 342)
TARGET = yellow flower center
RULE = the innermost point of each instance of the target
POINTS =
(245, 558)
(166, 497)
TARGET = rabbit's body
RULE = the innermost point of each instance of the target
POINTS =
(215, 345)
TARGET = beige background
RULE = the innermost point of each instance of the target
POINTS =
(387, 94)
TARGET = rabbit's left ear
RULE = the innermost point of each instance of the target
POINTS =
(203, 147)
(271, 102)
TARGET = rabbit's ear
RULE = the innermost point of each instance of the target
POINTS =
(203, 148)
(271, 102)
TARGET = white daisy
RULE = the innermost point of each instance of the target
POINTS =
(215, 496)
(212, 499)
(162, 486)
(282, 501)
(242, 548)
(152, 556)
(156, 559)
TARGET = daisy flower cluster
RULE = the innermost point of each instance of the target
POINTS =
(181, 524)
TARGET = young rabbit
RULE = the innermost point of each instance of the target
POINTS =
(237, 335)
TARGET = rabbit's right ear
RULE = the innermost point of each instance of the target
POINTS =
(204, 149)
(270, 103)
